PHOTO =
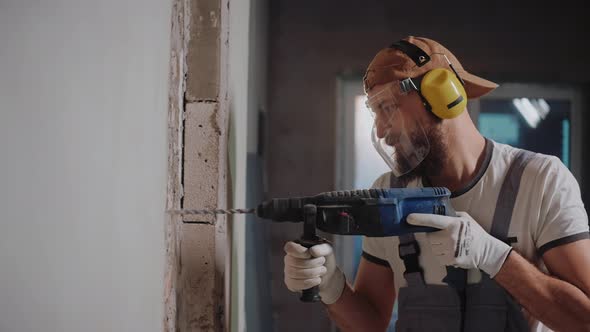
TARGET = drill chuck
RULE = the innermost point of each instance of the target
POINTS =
(282, 209)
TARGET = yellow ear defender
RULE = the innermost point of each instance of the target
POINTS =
(442, 91)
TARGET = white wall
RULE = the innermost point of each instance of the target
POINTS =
(83, 158)
(239, 43)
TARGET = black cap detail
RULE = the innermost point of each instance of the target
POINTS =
(415, 53)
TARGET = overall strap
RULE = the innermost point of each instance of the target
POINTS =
(500, 226)
(409, 250)
(508, 194)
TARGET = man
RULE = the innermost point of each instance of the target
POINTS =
(517, 256)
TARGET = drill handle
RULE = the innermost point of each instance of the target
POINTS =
(308, 240)
(310, 294)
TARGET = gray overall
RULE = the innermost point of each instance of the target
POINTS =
(481, 307)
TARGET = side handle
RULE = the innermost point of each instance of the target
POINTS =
(308, 240)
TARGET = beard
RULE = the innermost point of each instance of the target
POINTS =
(434, 160)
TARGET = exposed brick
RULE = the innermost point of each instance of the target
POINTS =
(197, 249)
(195, 284)
(201, 159)
(203, 50)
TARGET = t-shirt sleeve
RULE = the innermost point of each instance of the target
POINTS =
(374, 250)
(373, 247)
(563, 218)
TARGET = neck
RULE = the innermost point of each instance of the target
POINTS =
(466, 154)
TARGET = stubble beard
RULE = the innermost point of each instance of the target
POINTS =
(434, 160)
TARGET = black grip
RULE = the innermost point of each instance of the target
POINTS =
(310, 294)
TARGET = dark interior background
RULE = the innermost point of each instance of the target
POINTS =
(312, 43)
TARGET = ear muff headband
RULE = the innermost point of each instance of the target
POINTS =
(442, 91)
(414, 52)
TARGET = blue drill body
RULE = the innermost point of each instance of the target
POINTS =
(397, 204)
(369, 212)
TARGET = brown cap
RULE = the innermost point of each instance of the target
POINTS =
(391, 64)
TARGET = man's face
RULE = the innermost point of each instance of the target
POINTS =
(399, 113)
(401, 108)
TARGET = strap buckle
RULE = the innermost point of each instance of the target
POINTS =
(409, 253)
(407, 250)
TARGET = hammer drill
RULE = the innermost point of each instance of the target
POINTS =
(368, 212)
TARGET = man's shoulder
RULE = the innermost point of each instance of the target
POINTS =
(541, 169)
(537, 163)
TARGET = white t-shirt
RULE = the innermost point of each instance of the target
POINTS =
(548, 212)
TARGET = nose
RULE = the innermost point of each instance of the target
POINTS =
(381, 127)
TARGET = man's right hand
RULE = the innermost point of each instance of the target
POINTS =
(306, 268)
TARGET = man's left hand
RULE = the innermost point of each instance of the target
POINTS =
(461, 242)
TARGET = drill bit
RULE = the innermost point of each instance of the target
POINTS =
(211, 211)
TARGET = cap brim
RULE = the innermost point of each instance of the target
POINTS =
(476, 86)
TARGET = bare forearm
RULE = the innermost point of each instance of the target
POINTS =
(352, 312)
(558, 304)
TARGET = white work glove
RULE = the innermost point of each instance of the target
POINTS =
(305, 268)
(461, 242)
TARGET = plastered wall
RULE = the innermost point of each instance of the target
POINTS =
(83, 112)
